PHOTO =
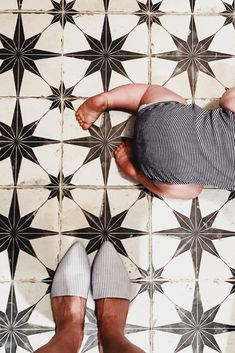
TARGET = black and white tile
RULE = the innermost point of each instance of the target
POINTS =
(59, 184)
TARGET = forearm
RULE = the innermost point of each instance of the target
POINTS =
(172, 191)
(149, 185)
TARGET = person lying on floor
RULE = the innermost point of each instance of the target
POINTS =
(178, 148)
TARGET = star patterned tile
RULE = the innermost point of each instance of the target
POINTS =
(23, 45)
(197, 327)
(24, 139)
(108, 54)
(60, 184)
(195, 54)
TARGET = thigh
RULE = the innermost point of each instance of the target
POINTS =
(227, 101)
(156, 93)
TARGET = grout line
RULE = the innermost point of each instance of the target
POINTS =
(83, 97)
(60, 213)
(151, 343)
(121, 13)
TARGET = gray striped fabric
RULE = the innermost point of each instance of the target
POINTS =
(184, 144)
(72, 276)
(109, 276)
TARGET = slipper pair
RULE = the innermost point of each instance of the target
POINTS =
(108, 277)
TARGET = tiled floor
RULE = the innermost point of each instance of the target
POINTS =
(59, 183)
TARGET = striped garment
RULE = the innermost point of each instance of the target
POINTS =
(184, 144)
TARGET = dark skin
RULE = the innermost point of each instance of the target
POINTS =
(69, 314)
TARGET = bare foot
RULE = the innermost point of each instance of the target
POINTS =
(90, 110)
(123, 157)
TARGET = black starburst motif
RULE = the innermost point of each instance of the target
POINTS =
(106, 55)
(192, 4)
(193, 56)
(231, 280)
(57, 183)
(62, 97)
(149, 13)
(197, 327)
(19, 2)
(14, 326)
(102, 143)
(106, 4)
(18, 54)
(63, 12)
(229, 13)
(150, 281)
(91, 330)
(17, 141)
(105, 228)
(196, 234)
(16, 233)
(49, 279)
(231, 196)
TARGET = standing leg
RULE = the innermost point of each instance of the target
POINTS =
(111, 292)
(69, 313)
(111, 316)
(69, 293)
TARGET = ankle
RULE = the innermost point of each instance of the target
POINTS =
(110, 336)
(100, 102)
(70, 336)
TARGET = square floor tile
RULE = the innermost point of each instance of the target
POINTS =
(187, 308)
(34, 63)
(29, 225)
(185, 231)
(30, 148)
(106, 55)
(199, 77)
(24, 316)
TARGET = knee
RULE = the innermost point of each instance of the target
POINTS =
(227, 101)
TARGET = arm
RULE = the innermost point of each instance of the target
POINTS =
(172, 191)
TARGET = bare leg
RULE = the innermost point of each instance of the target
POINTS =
(127, 97)
(69, 314)
(123, 97)
(227, 101)
(123, 156)
(111, 316)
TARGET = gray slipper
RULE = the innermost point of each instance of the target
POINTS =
(109, 275)
(72, 276)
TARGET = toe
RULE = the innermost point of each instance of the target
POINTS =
(86, 126)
